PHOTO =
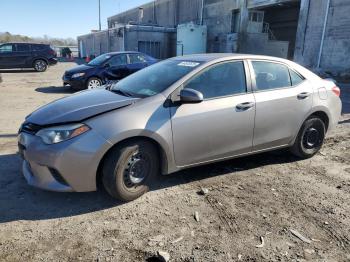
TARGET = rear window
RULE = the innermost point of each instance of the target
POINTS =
(23, 48)
(39, 47)
(295, 78)
(269, 75)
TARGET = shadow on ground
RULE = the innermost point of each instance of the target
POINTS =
(18, 201)
(78, 61)
(55, 90)
(9, 71)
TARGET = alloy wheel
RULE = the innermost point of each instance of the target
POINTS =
(94, 83)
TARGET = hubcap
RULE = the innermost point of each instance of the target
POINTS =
(312, 138)
(40, 65)
(136, 170)
(94, 83)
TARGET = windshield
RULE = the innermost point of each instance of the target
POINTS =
(155, 78)
(99, 60)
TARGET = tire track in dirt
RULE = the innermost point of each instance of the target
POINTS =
(225, 216)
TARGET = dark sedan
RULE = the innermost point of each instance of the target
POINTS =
(110, 66)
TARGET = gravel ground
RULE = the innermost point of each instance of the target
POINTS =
(270, 198)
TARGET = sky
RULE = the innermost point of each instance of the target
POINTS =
(60, 18)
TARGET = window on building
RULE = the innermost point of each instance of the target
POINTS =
(235, 20)
(256, 16)
(269, 75)
(220, 80)
(6, 48)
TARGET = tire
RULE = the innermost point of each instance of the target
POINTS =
(40, 65)
(93, 82)
(310, 138)
(129, 170)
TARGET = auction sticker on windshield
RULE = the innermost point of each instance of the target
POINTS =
(189, 64)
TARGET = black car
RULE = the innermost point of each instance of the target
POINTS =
(109, 66)
(27, 55)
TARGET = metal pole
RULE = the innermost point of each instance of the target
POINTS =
(323, 34)
(99, 15)
(202, 12)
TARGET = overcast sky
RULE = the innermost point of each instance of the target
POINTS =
(62, 18)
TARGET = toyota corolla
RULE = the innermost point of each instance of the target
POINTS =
(178, 113)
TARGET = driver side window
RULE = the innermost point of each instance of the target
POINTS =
(118, 60)
(220, 80)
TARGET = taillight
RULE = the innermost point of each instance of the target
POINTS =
(52, 52)
(336, 90)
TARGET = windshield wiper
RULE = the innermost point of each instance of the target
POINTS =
(121, 92)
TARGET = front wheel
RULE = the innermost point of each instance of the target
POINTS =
(129, 169)
(40, 65)
(310, 138)
(93, 83)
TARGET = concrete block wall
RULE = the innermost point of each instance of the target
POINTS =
(336, 49)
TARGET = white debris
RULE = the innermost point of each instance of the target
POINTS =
(300, 236)
(163, 256)
(262, 243)
(196, 216)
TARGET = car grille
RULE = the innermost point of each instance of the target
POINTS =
(30, 128)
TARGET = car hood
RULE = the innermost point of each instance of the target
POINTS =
(78, 107)
(79, 69)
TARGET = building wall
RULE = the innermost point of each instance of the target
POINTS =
(112, 40)
(217, 15)
(167, 13)
(336, 49)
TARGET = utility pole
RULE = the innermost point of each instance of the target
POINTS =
(99, 15)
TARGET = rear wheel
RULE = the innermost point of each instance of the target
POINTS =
(310, 138)
(129, 169)
(93, 82)
(40, 65)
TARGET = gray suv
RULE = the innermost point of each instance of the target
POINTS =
(178, 113)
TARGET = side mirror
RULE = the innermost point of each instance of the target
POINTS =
(106, 65)
(190, 96)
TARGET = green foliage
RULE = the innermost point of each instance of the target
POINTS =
(8, 37)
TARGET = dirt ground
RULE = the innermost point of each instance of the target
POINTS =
(250, 199)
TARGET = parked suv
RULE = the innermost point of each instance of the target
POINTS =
(27, 55)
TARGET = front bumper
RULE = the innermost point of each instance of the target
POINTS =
(76, 83)
(64, 167)
(41, 177)
(53, 61)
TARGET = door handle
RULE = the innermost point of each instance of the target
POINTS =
(245, 105)
(303, 95)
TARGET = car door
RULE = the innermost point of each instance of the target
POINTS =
(7, 58)
(136, 62)
(222, 124)
(116, 67)
(283, 99)
(23, 55)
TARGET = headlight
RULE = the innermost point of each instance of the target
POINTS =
(53, 135)
(78, 75)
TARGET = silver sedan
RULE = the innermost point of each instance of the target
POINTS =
(181, 112)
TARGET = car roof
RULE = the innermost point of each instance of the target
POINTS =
(123, 52)
(14, 43)
(217, 56)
